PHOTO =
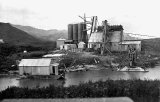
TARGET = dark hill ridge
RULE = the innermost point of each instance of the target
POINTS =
(47, 35)
(13, 35)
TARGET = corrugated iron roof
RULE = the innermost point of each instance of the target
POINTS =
(96, 37)
(61, 39)
(53, 55)
(35, 62)
(81, 42)
(130, 42)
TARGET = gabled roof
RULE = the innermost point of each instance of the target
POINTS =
(53, 55)
(61, 39)
(35, 62)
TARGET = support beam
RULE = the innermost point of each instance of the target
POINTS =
(105, 37)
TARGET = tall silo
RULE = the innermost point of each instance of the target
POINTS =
(84, 33)
(70, 31)
(75, 32)
(80, 31)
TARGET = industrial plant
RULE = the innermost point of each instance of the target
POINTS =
(89, 34)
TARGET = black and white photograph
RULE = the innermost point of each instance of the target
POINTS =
(79, 51)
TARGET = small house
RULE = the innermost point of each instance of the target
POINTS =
(60, 41)
(43, 66)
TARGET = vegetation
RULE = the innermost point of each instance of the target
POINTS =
(10, 53)
(109, 88)
(73, 59)
(143, 59)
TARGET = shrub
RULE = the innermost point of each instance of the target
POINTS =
(109, 88)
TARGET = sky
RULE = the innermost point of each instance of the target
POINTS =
(136, 16)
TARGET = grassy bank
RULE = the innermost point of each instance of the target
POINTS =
(143, 59)
(109, 88)
(74, 59)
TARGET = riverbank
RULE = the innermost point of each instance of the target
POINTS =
(109, 88)
(83, 61)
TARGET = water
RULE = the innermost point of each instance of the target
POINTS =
(74, 78)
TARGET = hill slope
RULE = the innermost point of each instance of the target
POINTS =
(13, 35)
(47, 35)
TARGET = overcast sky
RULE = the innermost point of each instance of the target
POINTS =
(136, 16)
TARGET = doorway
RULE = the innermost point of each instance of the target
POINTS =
(53, 70)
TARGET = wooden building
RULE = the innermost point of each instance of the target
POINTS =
(115, 36)
(43, 66)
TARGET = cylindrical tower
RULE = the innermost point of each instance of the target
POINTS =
(84, 33)
(75, 32)
(70, 31)
(80, 31)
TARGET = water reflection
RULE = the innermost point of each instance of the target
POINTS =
(74, 78)
(39, 83)
(8, 81)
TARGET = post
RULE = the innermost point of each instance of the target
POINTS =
(105, 36)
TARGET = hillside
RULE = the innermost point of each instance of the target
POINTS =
(47, 35)
(15, 36)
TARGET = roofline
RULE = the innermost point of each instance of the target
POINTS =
(131, 40)
(34, 66)
(34, 58)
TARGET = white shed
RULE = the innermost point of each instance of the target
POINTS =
(81, 45)
(43, 66)
(60, 41)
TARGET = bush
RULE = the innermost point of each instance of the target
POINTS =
(109, 88)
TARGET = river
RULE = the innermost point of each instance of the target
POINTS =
(74, 78)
